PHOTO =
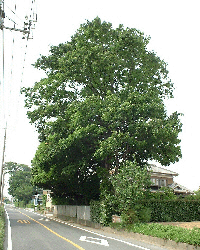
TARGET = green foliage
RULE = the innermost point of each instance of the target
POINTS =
(2, 227)
(95, 211)
(30, 205)
(168, 232)
(120, 194)
(173, 210)
(164, 193)
(102, 211)
(195, 196)
(148, 210)
(21, 204)
(44, 200)
(20, 186)
(129, 216)
(130, 185)
(101, 104)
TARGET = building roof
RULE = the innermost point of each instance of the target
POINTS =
(180, 189)
(155, 169)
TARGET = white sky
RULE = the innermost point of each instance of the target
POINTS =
(174, 29)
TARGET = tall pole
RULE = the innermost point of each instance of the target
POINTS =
(26, 30)
(2, 169)
(2, 14)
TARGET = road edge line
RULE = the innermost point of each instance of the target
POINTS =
(9, 232)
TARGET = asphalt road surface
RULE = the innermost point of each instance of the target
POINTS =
(28, 230)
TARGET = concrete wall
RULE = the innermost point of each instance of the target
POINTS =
(83, 212)
(79, 212)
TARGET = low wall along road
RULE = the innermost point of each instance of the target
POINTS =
(77, 214)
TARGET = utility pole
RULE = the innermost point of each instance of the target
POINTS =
(2, 15)
(26, 34)
(2, 169)
(26, 30)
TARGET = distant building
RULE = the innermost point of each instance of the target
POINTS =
(161, 177)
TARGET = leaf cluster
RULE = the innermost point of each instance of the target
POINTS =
(168, 232)
(20, 186)
(101, 104)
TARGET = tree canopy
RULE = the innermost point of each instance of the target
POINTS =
(101, 104)
(20, 186)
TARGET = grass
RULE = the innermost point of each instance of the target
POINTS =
(2, 227)
(168, 232)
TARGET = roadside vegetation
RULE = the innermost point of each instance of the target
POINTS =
(167, 232)
(2, 227)
(144, 214)
(101, 117)
(20, 186)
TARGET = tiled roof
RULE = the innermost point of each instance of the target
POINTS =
(180, 189)
(160, 170)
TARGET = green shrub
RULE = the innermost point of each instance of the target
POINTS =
(21, 204)
(178, 234)
(173, 210)
(102, 211)
(30, 205)
(148, 210)
(144, 214)
(136, 214)
(129, 216)
(2, 227)
(95, 211)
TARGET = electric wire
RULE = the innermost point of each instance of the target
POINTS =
(3, 73)
(14, 15)
(12, 88)
(10, 19)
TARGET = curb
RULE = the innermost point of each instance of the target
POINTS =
(169, 244)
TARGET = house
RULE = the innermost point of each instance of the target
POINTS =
(162, 177)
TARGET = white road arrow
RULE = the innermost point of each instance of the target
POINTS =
(95, 240)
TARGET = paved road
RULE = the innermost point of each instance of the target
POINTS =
(32, 231)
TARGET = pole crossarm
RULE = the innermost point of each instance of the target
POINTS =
(2, 15)
(20, 30)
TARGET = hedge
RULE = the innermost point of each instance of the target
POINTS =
(161, 210)
(102, 212)
(173, 210)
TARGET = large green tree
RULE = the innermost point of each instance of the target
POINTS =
(20, 186)
(102, 103)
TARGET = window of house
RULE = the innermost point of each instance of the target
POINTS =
(155, 181)
(162, 183)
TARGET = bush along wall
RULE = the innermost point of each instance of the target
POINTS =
(159, 210)
(102, 211)
(173, 210)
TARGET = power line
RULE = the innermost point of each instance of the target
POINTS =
(26, 29)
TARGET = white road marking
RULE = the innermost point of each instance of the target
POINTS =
(9, 232)
(103, 236)
(94, 240)
(111, 238)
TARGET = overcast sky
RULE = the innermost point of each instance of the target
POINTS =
(173, 26)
